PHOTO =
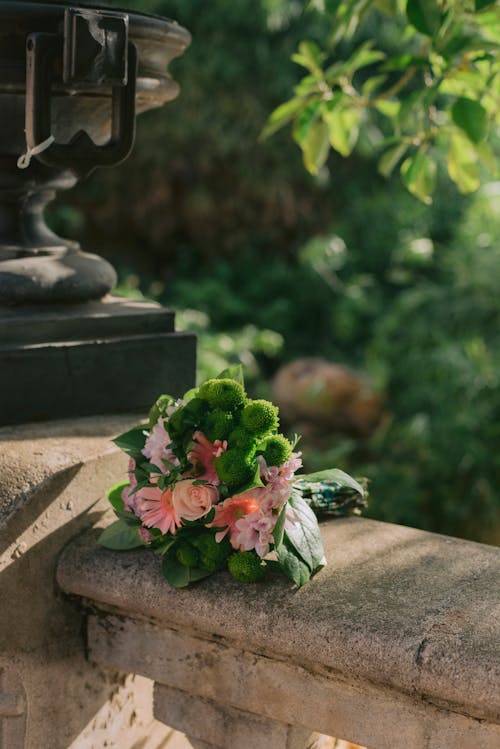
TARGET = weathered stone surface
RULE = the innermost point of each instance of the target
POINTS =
(280, 690)
(37, 460)
(222, 726)
(408, 611)
(52, 481)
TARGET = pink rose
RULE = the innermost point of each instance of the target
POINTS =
(193, 501)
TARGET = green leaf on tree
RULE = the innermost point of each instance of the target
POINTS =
(316, 146)
(281, 116)
(471, 117)
(419, 176)
(462, 164)
(309, 56)
(424, 15)
(304, 121)
(120, 536)
(390, 159)
(343, 128)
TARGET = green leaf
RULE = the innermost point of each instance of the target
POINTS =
(133, 441)
(403, 62)
(292, 565)
(316, 146)
(279, 528)
(190, 394)
(178, 574)
(254, 482)
(304, 535)
(334, 474)
(115, 495)
(159, 407)
(418, 173)
(480, 4)
(471, 117)
(390, 159)
(232, 373)
(281, 116)
(372, 84)
(304, 121)
(309, 56)
(462, 164)
(343, 128)
(119, 536)
(424, 15)
(389, 108)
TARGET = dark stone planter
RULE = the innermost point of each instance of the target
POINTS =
(74, 78)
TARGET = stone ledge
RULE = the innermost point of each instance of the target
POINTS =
(402, 609)
(33, 455)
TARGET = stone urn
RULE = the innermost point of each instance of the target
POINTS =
(72, 80)
(77, 75)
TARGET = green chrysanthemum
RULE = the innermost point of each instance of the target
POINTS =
(213, 555)
(217, 425)
(246, 567)
(234, 467)
(242, 439)
(276, 450)
(186, 554)
(260, 417)
(226, 394)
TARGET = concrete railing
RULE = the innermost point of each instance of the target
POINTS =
(394, 644)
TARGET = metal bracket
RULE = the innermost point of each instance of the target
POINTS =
(95, 48)
(93, 53)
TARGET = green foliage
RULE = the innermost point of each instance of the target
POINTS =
(120, 535)
(212, 555)
(301, 554)
(217, 425)
(435, 90)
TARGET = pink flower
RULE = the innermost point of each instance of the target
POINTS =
(156, 447)
(193, 501)
(145, 535)
(228, 513)
(156, 509)
(254, 531)
(203, 455)
(286, 471)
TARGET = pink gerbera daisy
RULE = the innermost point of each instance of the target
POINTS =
(203, 455)
(156, 510)
(227, 513)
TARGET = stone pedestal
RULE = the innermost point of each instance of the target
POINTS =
(73, 79)
(112, 356)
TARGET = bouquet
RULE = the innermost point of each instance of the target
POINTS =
(212, 485)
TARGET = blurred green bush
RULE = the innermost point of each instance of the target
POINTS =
(268, 264)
